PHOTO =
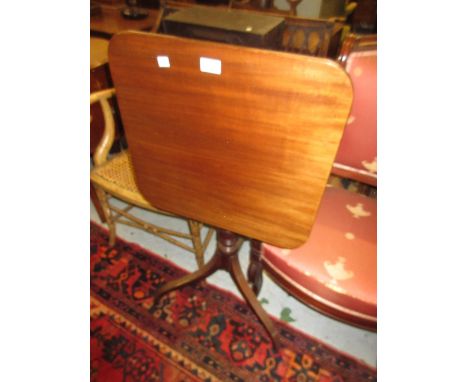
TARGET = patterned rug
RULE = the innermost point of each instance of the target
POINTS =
(198, 333)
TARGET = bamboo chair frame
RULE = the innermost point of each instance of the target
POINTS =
(132, 197)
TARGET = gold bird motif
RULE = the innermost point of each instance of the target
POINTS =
(358, 211)
(337, 271)
(370, 166)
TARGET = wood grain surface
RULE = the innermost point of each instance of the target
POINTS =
(110, 21)
(98, 52)
(249, 150)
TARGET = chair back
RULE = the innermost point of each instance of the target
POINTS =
(239, 138)
(308, 36)
(357, 155)
(99, 80)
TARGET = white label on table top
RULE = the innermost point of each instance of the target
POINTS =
(163, 61)
(210, 65)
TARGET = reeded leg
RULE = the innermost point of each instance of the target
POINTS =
(195, 231)
(107, 214)
(203, 272)
(254, 272)
(251, 299)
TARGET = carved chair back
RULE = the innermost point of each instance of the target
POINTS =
(308, 36)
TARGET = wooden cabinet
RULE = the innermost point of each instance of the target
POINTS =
(233, 27)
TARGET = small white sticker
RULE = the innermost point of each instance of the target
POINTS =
(210, 65)
(163, 61)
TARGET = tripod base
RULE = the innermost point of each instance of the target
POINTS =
(226, 258)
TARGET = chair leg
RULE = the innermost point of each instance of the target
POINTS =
(107, 214)
(195, 231)
(255, 270)
(96, 203)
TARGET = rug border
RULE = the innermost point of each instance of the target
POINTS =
(118, 316)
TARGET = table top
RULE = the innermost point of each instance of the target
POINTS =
(238, 138)
(110, 21)
(98, 52)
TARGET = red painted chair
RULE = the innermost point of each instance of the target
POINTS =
(357, 155)
(335, 270)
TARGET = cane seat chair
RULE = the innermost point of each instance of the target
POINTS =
(114, 177)
(238, 138)
(99, 79)
(335, 271)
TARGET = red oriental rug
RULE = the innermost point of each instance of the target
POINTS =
(197, 333)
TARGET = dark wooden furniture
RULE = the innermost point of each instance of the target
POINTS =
(364, 18)
(109, 21)
(152, 4)
(335, 271)
(233, 27)
(94, 8)
(314, 37)
(248, 151)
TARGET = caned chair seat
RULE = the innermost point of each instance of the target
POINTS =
(116, 176)
(336, 269)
